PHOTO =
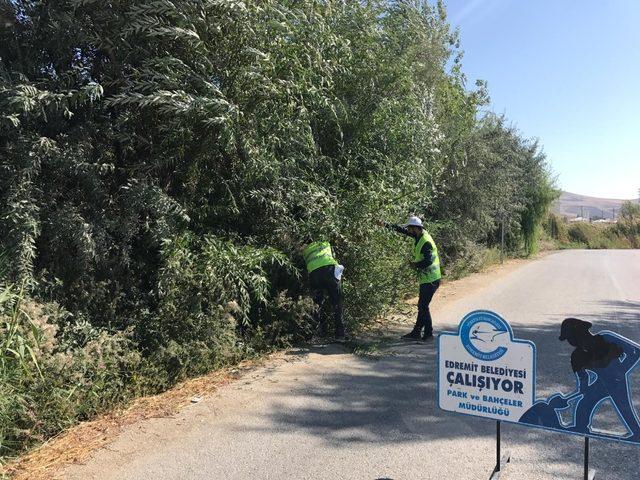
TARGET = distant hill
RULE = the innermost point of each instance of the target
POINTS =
(571, 205)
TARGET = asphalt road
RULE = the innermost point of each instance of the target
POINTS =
(332, 415)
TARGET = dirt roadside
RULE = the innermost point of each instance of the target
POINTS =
(80, 442)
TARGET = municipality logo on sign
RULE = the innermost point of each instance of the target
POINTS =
(482, 335)
(484, 371)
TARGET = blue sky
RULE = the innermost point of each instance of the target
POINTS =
(568, 73)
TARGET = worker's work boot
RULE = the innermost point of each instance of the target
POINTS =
(413, 335)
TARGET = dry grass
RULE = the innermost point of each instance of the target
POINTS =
(78, 443)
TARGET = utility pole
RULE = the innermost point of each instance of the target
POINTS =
(502, 240)
(501, 215)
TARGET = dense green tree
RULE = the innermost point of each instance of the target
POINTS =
(161, 163)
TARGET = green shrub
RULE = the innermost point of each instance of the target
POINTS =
(46, 387)
(582, 232)
(629, 223)
(557, 228)
(595, 236)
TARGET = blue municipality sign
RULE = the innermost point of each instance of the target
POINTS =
(485, 371)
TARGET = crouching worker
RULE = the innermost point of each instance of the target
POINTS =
(324, 278)
(426, 263)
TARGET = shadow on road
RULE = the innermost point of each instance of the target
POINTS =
(393, 399)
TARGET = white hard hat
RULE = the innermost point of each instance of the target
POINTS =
(413, 221)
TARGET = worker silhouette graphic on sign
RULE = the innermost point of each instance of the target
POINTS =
(601, 363)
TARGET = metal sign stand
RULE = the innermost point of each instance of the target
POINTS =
(588, 474)
(501, 460)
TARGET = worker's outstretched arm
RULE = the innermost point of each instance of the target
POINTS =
(395, 227)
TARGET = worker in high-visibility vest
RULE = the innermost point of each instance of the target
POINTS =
(426, 262)
(325, 278)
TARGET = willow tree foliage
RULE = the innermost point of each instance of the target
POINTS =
(161, 162)
(127, 125)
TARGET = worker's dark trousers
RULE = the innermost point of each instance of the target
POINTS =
(322, 280)
(427, 290)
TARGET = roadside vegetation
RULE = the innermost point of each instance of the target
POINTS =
(624, 234)
(162, 162)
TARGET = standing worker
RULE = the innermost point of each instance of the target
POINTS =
(324, 277)
(426, 262)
